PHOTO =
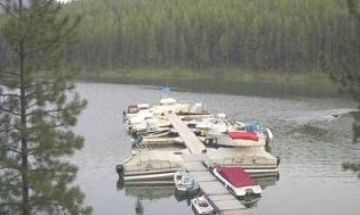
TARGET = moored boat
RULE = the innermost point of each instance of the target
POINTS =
(185, 182)
(237, 180)
(158, 147)
(202, 206)
(151, 165)
(143, 117)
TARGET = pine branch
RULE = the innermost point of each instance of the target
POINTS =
(53, 116)
(7, 9)
(10, 167)
(14, 150)
(44, 6)
(8, 188)
(8, 128)
(49, 45)
(47, 112)
(55, 41)
(51, 126)
(10, 95)
(10, 73)
(9, 82)
(353, 8)
(31, 106)
(9, 111)
(3, 204)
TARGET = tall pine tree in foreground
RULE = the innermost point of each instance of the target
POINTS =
(38, 106)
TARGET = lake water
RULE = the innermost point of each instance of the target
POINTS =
(312, 146)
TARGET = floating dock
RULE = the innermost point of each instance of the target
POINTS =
(219, 197)
(193, 143)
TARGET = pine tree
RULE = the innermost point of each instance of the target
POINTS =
(38, 106)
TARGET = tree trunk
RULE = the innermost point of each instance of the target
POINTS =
(24, 146)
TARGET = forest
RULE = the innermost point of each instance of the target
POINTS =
(279, 35)
(292, 36)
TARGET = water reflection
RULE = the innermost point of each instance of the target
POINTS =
(155, 192)
(149, 192)
(310, 168)
(139, 208)
(267, 181)
(183, 196)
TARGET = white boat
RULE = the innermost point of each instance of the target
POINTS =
(134, 110)
(232, 134)
(237, 138)
(143, 117)
(147, 123)
(160, 142)
(237, 180)
(185, 182)
(202, 206)
(255, 160)
(151, 164)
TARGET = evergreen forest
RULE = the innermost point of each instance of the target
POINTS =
(267, 35)
(272, 36)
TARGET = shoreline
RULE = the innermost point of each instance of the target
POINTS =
(233, 81)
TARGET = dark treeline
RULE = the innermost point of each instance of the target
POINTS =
(282, 35)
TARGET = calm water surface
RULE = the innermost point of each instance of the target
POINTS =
(311, 144)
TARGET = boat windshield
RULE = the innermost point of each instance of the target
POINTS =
(204, 204)
(133, 109)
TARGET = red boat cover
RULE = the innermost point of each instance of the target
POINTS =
(132, 108)
(243, 135)
(236, 176)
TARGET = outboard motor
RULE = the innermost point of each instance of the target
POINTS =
(124, 116)
(138, 138)
(120, 170)
(269, 135)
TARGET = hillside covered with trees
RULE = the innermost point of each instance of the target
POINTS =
(277, 35)
(292, 36)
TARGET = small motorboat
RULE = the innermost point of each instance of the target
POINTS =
(238, 181)
(202, 206)
(185, 182)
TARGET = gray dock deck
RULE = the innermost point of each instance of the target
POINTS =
(189, 138)
(220, 198)
(223, 201)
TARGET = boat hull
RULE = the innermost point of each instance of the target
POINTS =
(166, 175)
(241, 191)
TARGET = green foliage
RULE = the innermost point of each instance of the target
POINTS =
(272, 35)
(352, 166)
(38, 106)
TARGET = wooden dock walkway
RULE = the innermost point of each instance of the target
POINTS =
(220, 198)
(191, 141)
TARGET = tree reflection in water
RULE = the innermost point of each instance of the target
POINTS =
(139, 208)
(151, 192)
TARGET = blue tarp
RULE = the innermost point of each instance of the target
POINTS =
(254, 127)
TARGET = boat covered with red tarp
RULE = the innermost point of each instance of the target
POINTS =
(243, 135)
(237, 180)
(236, 176)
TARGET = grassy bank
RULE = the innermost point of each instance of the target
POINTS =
(224, 75)
(229, 81)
